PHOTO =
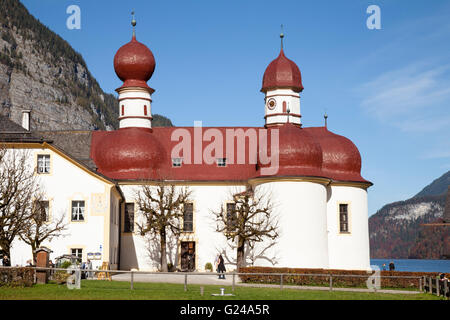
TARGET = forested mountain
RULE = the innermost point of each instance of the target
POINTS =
(397, 231)
(41, 72)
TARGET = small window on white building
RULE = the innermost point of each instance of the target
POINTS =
(42, 210)
(43, 163)
(78, 210)
(221, 162)
(77, 252)
(129, 218)
(176, 162)
(188, 217)
(343, 218)
(231, 216)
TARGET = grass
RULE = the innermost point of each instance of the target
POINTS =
(120, 290)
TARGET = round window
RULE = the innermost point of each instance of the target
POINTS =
(271, 104)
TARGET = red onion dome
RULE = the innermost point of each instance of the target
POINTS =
(298, 152)
(282, 73)
(129, 152)
(341, 158)
(134, 64)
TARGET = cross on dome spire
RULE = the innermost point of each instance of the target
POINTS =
(133, 23)
(281, 37)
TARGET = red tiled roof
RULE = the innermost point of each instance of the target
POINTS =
(136, 153)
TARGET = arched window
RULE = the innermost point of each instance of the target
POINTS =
(123, 110)
(284, 107)
(145, 110)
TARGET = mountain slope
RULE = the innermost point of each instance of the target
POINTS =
(39, 71)
(396, 230)
(437, 187)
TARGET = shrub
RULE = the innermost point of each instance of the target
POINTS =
(66, 264)
(60, 277)
(208, 266)
(17, 277)
(341, 278)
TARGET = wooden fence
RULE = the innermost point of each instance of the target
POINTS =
(441, 288)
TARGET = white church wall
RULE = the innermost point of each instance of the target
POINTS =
(301, 209)
(208, 242)
(349, 251)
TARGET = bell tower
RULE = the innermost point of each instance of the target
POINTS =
(134, 64)
(282, 84)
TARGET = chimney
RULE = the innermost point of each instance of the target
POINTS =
(26, 118)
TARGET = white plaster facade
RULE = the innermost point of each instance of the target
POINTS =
(135, 107)
(308, 211)
(285, 99)
(67, 181)
(308, 221)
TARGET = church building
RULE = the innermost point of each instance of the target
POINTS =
(91, 177)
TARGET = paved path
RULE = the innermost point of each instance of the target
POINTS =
(178, 277)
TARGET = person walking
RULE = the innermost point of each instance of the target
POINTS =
(221, 268)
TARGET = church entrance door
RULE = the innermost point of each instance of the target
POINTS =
(188, 256)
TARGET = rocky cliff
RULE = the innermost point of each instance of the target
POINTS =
(39, 71)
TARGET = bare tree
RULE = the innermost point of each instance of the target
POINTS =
(247, 221)
(39, 228)
(161, 207)
(18, 189)
(253, 252)
(153, 246)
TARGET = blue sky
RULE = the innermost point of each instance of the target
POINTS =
(387, 90)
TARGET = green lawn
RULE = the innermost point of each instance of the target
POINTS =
(105, 290)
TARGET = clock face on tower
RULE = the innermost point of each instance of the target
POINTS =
(271, 104)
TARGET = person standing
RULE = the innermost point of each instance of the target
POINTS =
(6, 261)
(392, 266)
(216, 263)
(89, 266)
(221, 267)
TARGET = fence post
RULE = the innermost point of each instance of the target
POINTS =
(132, 280)
(437, 287)
(420, 284)
(331, 282)
(234, 274)
(281, 282)
(430, 285)
(185, 282)
(446, 289)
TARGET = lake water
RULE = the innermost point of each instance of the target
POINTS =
(414, 265)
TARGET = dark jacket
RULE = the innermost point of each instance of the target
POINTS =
(221, 266)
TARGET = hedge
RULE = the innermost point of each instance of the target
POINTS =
(320, 277)
(17, 277)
